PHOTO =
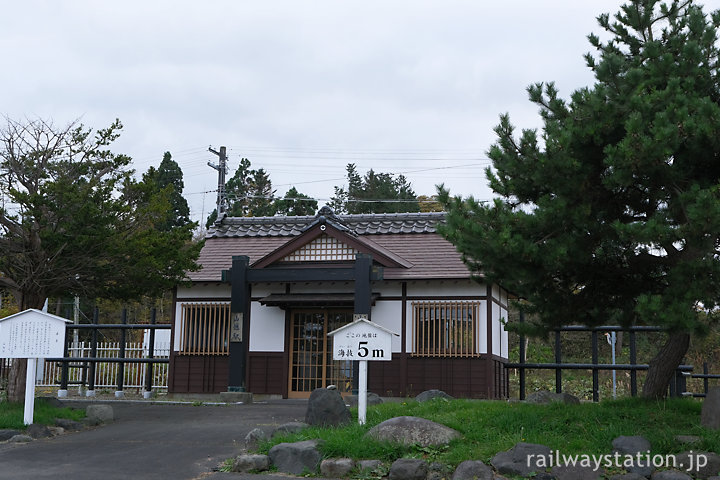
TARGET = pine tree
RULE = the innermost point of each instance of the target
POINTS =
(374, 193)
(170, 175)
(612, 213)
(295, 203)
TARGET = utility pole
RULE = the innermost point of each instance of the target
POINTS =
(222, 170)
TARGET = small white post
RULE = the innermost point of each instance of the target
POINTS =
(30, 390)
(362, 392)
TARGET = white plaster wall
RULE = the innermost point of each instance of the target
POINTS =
(496, 292)
(267, 328)
(388, 289)
(482, 337)
(497, 328)
(503, 333)
(322, 287)
(434, 288)
(204, 290)
(389, 315)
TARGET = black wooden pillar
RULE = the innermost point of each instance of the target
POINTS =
(363, 299)
(239, 326)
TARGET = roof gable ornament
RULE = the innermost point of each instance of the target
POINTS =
(326, 216)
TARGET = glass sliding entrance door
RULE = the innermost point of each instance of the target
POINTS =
(311, 363)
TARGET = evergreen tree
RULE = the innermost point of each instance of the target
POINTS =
(74, 221)
(170, 175)
(295, 203)
(249, 193)
(374, 193)
(612, 215)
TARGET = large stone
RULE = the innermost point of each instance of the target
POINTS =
(336, 467)
(7, 434)
(408, 469)
(251, 463)
(710, 415)
(522, 459)
(627, 476)
(670, 475)
(471, 470)
(99, 414)
(632, 445)
(700, 465)
(69, 425)
(22, 438)
(37, 430)
(576, 472)
(433, 394)
(372, 399)
(253, 439)
(296, 458)
(327, 408)
(290, 427)
(413, 430)
(545, 397)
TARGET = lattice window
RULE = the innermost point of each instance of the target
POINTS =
(445, 329)
(323, 248)
(205, 328)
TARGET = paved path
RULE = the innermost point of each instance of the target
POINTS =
(179, 442)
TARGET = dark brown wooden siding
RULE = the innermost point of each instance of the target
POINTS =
(266, 372)
(459, 377)
(199, 374)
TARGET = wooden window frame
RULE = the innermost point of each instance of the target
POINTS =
(204, 328)
(446, 328)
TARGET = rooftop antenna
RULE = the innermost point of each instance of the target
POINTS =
(222, 170)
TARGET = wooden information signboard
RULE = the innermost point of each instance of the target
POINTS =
(364, 341)
(32, 334)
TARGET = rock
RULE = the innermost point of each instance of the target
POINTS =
(544, 476)
(522, 459)
(290, 427)
(296, 458)
(408, 469)
(472, 469)
(99, 414)
(7, 434)
(251, 463)
(411, 430)
(545, 397)
(327, 408)
(69, 425)
(698, 464)
(253, 439)
(632, 445)
(21, 438)
(710, 415)
(336, 467)
(627, 476)
(37, 430)
(428, 395)
(372, 399)
(670, 475)
(570, 472)
(369, 465)
(688, 439)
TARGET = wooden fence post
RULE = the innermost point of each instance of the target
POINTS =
(151, 354)
(121, 366)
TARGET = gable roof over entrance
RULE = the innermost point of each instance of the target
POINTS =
(407, 245)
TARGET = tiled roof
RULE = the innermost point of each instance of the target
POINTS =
(410, 236)
(363, 224)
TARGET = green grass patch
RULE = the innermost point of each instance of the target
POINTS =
(11, 414)
(489, 427)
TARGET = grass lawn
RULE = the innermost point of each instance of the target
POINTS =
(489, 427)
(11, 414)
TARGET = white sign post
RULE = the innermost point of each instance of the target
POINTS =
(364, 341)
(32, 334)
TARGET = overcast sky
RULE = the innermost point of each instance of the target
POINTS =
(301, 88)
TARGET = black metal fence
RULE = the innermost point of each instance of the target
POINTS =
(89, 364)
(677, 387)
